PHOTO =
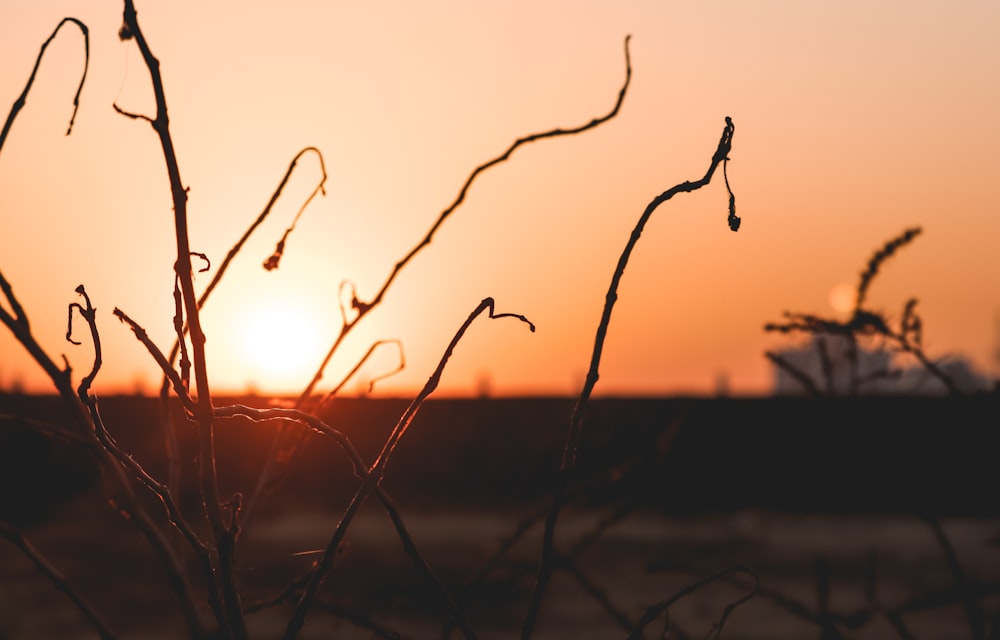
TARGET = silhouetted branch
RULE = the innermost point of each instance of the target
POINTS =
(225, 537)
(974, 613)
(655, 611)
(279, 250)
(121, 495)
(89, 314)
(131, 115)
(58, 580)
(865, 323)
(284, 441)
(357, 367)
(48, 429)
(871, 594)
(167, 426)
(161, 491)
(22, 99)
(325, 561)
(19, 326)
(875, 263)
(598, 594)
(319, 188)
(168, 371)
(361, 471)
(576, 421)
(497, 160)
(179, 331)
(800, 375)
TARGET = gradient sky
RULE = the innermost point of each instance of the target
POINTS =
(854, 120)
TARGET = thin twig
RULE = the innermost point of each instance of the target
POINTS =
(568, 463)
(59, 581)
(361, 470)
(598, 594)
(161, 491)
(225, 536)
(973, 612)
(655, 611)
(801, 376)
(286, 442)
(375, 473)
(22, 99)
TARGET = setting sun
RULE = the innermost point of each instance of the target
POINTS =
(278, 343)
(842, 297)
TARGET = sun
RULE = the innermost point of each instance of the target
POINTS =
(842, 297)
(280, 343)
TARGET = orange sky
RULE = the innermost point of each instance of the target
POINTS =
(854, 121)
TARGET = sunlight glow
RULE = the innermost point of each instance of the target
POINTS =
(279, 343)
(842, 297)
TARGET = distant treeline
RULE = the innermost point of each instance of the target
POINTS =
(921, 456)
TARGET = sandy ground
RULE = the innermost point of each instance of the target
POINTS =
(633, 564)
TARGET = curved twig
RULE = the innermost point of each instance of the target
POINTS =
(357, 367)
(225, 536)
(58, 579)
(89, 313)
(168, 371)
(325, 561)
(364, 307)
(22, 99)
(283, 440)
(568, 463)
(654, 612)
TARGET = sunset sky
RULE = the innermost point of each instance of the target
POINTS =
(854, 121)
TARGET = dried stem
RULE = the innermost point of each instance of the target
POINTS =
(973, 612)
(22, 99)
(287, 441)
(225, 536)
(82, 413)
(59, 581)
(357, 367)
(130, 464)
(361, 470)
(568, 463)
(875, 263)
(655, 611)
(795, 372)
(167, 425)
(375, 473)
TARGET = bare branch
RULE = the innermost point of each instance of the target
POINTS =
(59, 581)
(19, 316)
(168, 371)
(22, 99)
(364, 307)
(801, 376)
(497, 160)
(357, 367)
(579, 411)
(89, 314)
(361, 470)
(284, 440)
(973, 612)
(320, 187)
(652, 613)
(880, 256)
(130, 115)
(49, 429)
(225, 538)
(325, 561)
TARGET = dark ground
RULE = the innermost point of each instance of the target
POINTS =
(815, 496)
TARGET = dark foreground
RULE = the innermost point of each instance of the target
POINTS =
(868, 518)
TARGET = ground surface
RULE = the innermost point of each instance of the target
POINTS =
(836, 498)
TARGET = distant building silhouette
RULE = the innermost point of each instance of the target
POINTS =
(874, 371)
